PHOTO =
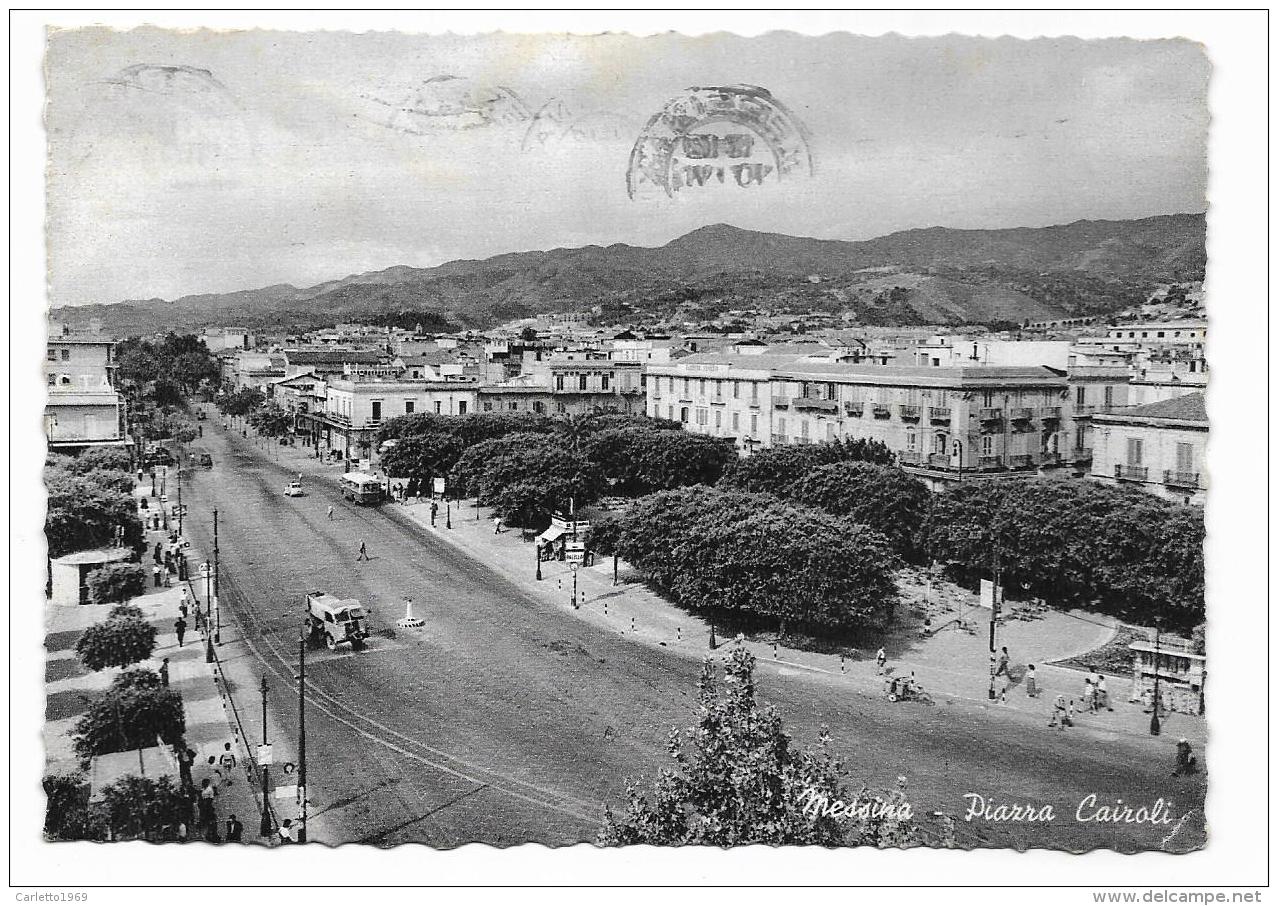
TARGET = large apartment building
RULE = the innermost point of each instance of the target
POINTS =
(944, 423)
(1159, 447)
(83, 408)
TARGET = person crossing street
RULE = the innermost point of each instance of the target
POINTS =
(363, 552)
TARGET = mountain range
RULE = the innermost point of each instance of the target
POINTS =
(936, 275)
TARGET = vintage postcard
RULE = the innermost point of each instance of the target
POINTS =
(616, 439)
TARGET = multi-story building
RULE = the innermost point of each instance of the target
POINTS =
(944, 423)
(571, 384)
(83, 408)
(1155, 333)
(1158, 447)
(355, 408)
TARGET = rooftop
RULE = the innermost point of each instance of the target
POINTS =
(1189, 408)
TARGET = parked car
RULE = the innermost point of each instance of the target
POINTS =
(294, 489)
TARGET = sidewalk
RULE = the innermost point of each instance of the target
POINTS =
(70, 689)
(952, 664)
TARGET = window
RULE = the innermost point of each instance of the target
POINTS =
(65, 380)
(987, 445)
(1161, 334)
(754, 426)
(736, 390)
(911, 441)
(377, 410)
(829, 430)
(670, 412)
(581, 382)
(1080, 397)
(53, 354)
(461, 407)
(488, 407)
(803, 429)
(754, 392)
(560, 408)
(701, 387)
(1109, 397)
(1184, 457)
(604, 381)
(539, 407)
(437, 407)
(987, 398)
(409, 406)
(670, 384)
(718, 390)
(781, 427)
(1080, 438)
(559, 382)
(1135, 450)
(736, 422)
(66, 355)
(703, 416)
(718, 419)
(683, 414)
(52, 380)
(514, 406)
(685, 388)
(940, 442)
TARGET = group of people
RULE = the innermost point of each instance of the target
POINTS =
(170, 562)
(218, 775)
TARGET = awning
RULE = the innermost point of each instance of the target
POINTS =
(551, 534)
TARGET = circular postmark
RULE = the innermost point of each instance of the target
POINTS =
(738, 135)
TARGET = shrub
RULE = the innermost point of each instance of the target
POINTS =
(67, 815)
(116, 642)
(116, 582)
(140, 808)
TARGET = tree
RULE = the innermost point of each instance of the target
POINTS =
(83, 514)
(528, 334)
(239, 402)
(538, 479)
(740, 780)
(774, 469)
(758, 556)
(640, 460)
(885, 498)
(115, 582)
(422, 457)
(116, 642)
(271, 420)
(131, 715)
(141, 808)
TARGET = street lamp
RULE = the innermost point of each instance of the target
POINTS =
(208, 612)
(301, 748)
(958, 451)
(537, 554)
(1155, 725)
(265, 828)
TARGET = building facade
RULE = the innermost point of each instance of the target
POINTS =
(1158, 447)
(83, 408)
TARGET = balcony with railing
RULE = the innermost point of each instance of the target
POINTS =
(910, 458)
(1050, 413)
(991, 414)
(1131, 472)
(910, 413)
(940, 461)
(805, 404)
(1081, 454)
(854, 409)
(990, 462)
(882, 410)
(1021, 460)
(1049, 459)
(1177, 478)
(1022, 413)
(939, 414)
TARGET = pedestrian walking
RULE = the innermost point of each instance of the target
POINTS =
(234, 830)
(1003, 659)
(1031, 682)
(497, 526)
(1102, 694)
(227, 759)
(179, 627)
(880, 660)
(159, 552)
(208, 811)
(155, 572)
(363, 551)
(330, 512)
(1089, 695)
(164, 671)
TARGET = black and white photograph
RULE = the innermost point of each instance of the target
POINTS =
(608, 439)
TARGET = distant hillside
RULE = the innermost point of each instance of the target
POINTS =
(943, 276)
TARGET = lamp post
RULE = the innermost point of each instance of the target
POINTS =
(958, 451)
(179, 503)
(208, 613)
(265, 828)
(537, 554)
(1156, 725)
(217, 629)
(448, 512)
(574, 586)
(995, 604)
(301, 747)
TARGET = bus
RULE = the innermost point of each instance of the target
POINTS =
(360, 487)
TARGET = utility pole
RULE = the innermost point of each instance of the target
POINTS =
(994, 611)
(208, 613)
(301, 748)
(1156, 725)
(217, 631)
(179, 505)
(265, 828)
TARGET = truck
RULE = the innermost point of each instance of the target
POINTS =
(335, 621)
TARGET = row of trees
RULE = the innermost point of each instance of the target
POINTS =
(758, 557)
(157, 376)
(1078, 543)
(526, 465)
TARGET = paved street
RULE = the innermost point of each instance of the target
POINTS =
(507, 719)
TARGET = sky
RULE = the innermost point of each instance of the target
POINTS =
(186, 162)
